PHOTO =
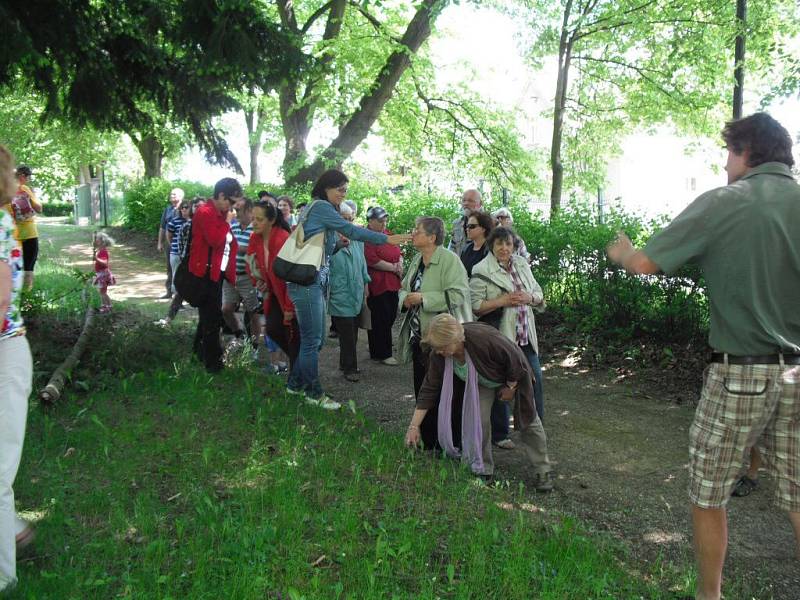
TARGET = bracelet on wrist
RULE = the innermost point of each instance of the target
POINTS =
(412, 426)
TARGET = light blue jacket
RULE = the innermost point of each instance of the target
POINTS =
(324, 216)
(348, 275)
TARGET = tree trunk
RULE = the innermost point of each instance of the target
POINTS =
(254, 143)
(152, 152)
(564, 56)
(353, 132)
(738, 69)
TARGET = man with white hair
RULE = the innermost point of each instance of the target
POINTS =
(470, 202)
(170, 211)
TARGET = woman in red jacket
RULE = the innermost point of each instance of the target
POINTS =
(270, 231)
(212, 255)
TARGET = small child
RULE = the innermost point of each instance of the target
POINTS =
(103, 276)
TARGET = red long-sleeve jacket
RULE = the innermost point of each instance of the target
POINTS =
(277, 286)
(211, 230)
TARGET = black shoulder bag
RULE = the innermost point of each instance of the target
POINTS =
(195, 290)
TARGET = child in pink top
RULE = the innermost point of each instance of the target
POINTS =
(103, 276)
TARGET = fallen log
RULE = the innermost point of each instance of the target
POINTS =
(55, 387)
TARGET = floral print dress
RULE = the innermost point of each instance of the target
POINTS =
(11, 254)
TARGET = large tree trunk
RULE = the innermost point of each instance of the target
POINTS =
(152, 153)
(353, 132)
(564, 56)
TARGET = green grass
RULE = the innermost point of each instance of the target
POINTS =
(172, 484)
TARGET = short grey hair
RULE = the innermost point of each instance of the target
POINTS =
(432, 226)
(352, 205)
(346, 209)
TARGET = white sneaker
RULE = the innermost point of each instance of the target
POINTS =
(323, 401)
(294, 392)
(391, 361)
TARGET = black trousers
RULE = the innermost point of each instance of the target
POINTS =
(383, 308)
(429, 427)
(207, 343)
(287, 337)
(30, 252)
(347, 328)
(169, 272)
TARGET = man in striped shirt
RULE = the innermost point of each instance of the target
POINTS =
(243, 291)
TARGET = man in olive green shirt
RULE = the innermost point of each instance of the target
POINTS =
(745, 239)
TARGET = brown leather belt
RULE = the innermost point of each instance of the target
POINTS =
(765, 359)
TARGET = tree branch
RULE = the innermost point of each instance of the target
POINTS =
(316, 15)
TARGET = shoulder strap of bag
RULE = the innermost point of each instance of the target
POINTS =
(492, 281)
(304, 216)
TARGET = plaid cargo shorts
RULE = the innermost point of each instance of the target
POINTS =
(742, 406)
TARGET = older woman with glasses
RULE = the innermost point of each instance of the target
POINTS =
(505, 219)
(322, 215)
(505, 294)
(436, 282)
(473, 365)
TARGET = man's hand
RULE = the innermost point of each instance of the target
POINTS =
(262, 287)
(159, 246)
(620, 249)
(287, 317)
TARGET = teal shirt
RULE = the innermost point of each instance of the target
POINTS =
(460, 371)
(746, 240)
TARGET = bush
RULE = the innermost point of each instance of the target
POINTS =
(57, 209)
(145, 201)
(593, 297)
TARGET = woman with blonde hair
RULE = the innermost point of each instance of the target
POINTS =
(476, 364)
(16, 369)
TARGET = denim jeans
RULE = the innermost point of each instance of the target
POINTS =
(309, 309)
(501, 411)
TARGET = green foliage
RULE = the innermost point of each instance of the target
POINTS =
(146, 200)
(58, 209)
(117, 64)
(54, 149)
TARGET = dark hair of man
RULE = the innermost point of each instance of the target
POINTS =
(196, 202)
(265, 194)
(762, 136)
(432, 226)
(484, 220)
(24, 170)
(228, 187)
(273, 215)
(502, 234)
(288, 200)
(332, 178)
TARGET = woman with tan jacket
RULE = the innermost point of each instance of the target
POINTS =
(505, 294)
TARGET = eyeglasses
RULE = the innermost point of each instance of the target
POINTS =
(473, 226)
(342, 189)
(504, 217)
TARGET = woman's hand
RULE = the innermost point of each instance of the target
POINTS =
(412, 299)
(521, 298)
(412, 436)
(398, 238)
(506, 393)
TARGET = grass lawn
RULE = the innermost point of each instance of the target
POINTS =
(155, 480)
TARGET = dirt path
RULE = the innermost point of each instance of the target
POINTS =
(620, 452)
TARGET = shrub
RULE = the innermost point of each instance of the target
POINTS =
(57, 209)
(146, 199)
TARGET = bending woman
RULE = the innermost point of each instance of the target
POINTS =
(322, 215)
(475, 363)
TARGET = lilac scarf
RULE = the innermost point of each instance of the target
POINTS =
(471, 430)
